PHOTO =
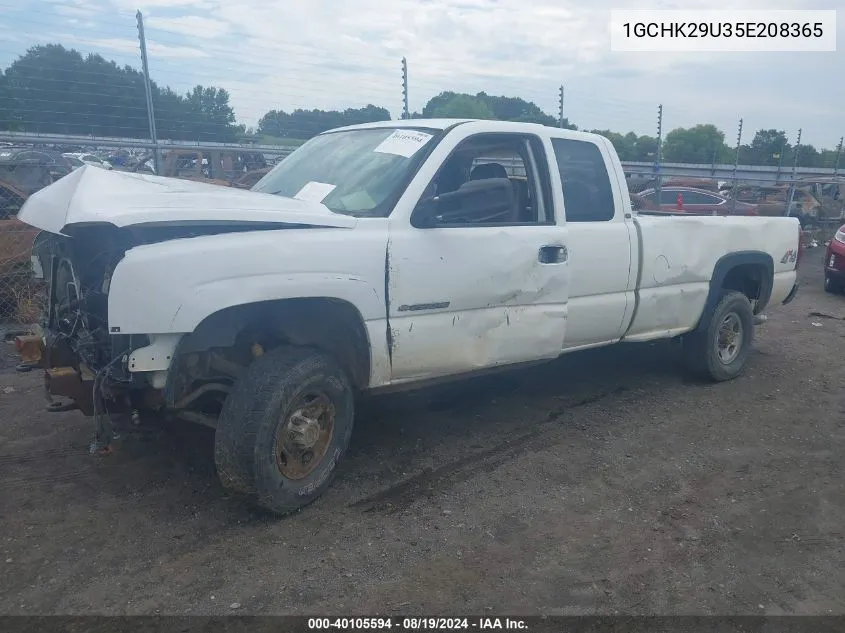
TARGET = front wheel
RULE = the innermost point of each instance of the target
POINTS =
(284, 428)
(719, 351)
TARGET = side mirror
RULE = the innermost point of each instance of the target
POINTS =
(476, 201)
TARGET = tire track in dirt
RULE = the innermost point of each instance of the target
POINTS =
(433, 481)
(38, 455)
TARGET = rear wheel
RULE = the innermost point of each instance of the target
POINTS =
(719, 351)
(284, 428)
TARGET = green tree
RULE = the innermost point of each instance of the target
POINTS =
(808, 156)
(303, 124)
(483, 106)
(828, 159)
(624, 144)
(463, 106)
(214, 118)
(517, 109)
(700, 144)
(768, 147)
(6, 121)
(54, 89)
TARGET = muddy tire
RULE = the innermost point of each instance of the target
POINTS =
(284, 428)
(719, 351)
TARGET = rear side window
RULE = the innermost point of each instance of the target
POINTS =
(587, 192)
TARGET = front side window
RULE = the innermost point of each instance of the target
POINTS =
(355, 172)
(514, 164)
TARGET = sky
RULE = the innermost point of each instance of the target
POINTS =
(328, 54)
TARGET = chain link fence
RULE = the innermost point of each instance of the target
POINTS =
(22, 172)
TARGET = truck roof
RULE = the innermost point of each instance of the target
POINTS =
(495, 126)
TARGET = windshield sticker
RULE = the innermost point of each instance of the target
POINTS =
(403, 143)
(314, 191)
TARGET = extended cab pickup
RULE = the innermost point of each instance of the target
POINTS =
(375, 256)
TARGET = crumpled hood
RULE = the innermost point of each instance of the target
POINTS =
(95, 195)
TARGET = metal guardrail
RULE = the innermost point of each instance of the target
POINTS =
(117, 142)
(744, 173)
(751, 173)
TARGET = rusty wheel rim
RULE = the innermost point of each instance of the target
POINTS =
(303, 437)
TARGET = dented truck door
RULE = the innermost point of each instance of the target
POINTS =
(469, 288)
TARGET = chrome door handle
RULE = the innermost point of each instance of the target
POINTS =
(553, 254)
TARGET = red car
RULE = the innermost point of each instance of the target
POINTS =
(834, 263)
(692, 201)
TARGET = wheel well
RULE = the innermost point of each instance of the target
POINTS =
(747, 279)
(748, 272)
(331, 325)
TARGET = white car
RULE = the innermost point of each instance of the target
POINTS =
(79, 159)
(378, 256)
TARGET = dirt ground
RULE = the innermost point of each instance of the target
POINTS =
(605, 482)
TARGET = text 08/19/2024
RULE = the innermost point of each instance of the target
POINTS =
(722, 31)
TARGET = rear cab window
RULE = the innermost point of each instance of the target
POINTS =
(587, 189)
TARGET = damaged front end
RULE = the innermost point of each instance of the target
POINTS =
(85, 366)
(113, 377)
(108, 343)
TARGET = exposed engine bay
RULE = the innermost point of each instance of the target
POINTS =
(78, 273)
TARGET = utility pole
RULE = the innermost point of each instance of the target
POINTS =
(148, 88)
(405, 112)
(736, 164)
(791, 196)
(658, 154)
(780, 160)
(560, 107)
(838, 155)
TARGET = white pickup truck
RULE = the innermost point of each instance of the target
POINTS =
(375, 256)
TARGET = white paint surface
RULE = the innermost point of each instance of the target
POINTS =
(603, 273)
(501, 304)
(90, 194)
(157, 355)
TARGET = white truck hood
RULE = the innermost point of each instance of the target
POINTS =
(92, 195)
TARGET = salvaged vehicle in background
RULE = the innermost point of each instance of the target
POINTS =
(77, 159)
(379, 256)
(674, 199)
(771, 201)
(834, 263)
(637, 183)
(29, 170)
(23, 171)
(228, 168)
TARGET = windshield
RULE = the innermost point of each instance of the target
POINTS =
(354, 172)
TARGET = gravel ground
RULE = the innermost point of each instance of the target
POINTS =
(605, 482)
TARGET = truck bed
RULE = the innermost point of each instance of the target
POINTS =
(678, 257)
